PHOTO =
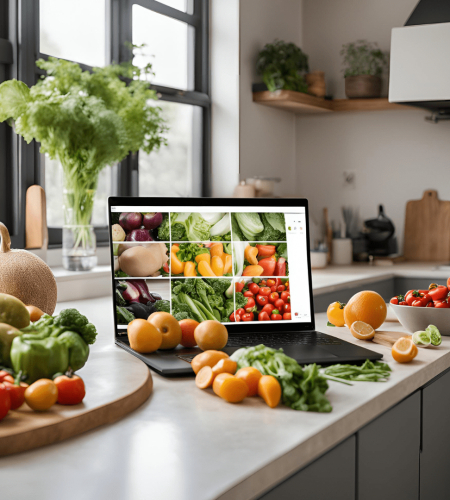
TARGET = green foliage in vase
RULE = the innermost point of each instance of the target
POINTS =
(86, 120)
(282, 66)
(363, 58)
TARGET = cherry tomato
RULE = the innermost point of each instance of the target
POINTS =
(265, 291)
(281, 288)
(248, 316)
(166, 268)
(5, 400)
(273, 297)
(262, 283)
(273, 288)
(286, 308)
(263, 316)
(254, 288)
(250, 304)
(235, 318)
(287, 315)
(248, 293)
(271, 282)
(279, 304)
(276, 317)
(71, 390)
(268, 308)
(286, 296)
(262, 300)
(240, 311)
(16, 393)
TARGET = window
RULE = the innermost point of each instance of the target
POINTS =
(94, 33)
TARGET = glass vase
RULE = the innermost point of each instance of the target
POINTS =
(79, 244)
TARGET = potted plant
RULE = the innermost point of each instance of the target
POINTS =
(86, 120)
(283, 66)
(363, 66)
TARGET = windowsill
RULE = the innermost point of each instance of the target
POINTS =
(61, 274)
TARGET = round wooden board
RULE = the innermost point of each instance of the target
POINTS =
(116, 384)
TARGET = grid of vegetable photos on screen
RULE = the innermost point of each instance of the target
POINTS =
(228, 267)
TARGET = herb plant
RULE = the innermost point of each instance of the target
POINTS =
(282, 66)
(363, 58)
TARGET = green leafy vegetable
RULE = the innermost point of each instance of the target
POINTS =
(302, 388)
(124, 316)
(269, 233)
(197, 229)
(250, 224)
(188, 252)
(369, 371)
(164, 229)
(237, 233)
(282, 250)
(121, 274)
(241, 301)
(277, 221)
(162, 305)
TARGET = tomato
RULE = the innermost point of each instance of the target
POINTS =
(281, 288)
(273, 288)
(286, 308)
(280, 269)
(441, 304)
(250, 304)
(397, 299)
(287, 315)
(4, 375)
(263, 283)
(286, 296)
(240, 311)
(430, 304)
(41, 395)
(271, 283)
(16, 393)
(448, 283)
(248, 293)
(263, 316)
(262, 300)
(268, 308)
(254, 288)
(279, 304)
(265, 291)
(235, 318)
(71, 390)
(5, 401)
(437, 292)
(268, 264)
(420, 296)
(273, 297)
(276, 316)
(239, 286)
(249, 316)
(266, 250)
(166, 268)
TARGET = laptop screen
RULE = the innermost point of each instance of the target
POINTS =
(236, 264)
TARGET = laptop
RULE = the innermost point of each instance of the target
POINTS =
(244, 262)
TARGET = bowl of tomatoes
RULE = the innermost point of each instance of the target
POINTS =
(418, 309)
(266, 299)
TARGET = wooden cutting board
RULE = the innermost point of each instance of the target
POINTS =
(388, 339)
(116, 384)
(427, 229)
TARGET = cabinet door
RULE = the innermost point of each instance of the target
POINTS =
(434, 458)
(331, 476)
(388, 452)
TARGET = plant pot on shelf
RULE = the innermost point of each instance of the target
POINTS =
(362, 86)
(316, 83)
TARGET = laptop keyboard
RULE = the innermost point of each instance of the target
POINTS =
(269, 339)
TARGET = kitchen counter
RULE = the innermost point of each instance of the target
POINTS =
(184, 443)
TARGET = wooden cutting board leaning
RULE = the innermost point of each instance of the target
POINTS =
(427, 229)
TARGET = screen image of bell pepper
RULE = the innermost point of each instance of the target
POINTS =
(175, 263)
(266, 250)
(203, 256)
(417, 295)
(205, 269)
(217, 265)
(437, 292)
(227, 263)
(189, 270)
(52, 344)
(216, 249)
(253, 270)
(280, 268)
(268, 264)
(250, 254)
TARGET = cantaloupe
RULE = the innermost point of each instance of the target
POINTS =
(26, 276)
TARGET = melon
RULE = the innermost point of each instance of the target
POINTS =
(26, 276)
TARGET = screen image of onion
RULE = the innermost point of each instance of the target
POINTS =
(152, 220)
(139, 235)
(130, 220)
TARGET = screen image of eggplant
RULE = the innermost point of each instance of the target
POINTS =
(139, 259)
(139, 226)
(139, 298)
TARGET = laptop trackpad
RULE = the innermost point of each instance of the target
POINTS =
(308, 353)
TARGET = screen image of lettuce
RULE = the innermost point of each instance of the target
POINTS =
(251, 226)
(202, 299)
(193, 226)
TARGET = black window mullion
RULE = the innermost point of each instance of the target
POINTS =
(194, 19)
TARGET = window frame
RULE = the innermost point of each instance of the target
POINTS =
(19, 26)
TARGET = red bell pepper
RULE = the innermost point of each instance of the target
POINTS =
(437, 292)
(420, 296)
(239, 286)
(268, 264)
(430, 304)
(280, 269)
(441, 304)
(266, 250)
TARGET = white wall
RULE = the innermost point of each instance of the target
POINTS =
(395, 155)
(267, 136)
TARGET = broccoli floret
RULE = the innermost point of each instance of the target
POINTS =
(241, 301)
(215, 301)
(180, 307)
(220, 286)
(162, 305)
(164, 229)
(115, 216)
(229, 308)
(185, 286)
(73, 320)
(178, 232)
(181, 315)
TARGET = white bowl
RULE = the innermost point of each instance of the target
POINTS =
(418, 318)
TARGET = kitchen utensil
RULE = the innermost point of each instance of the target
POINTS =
(342, 254)
(388, 339)
(418, 318)
(244, 190)
(318, 260)
(427, 229)
(381, 228)
(36, 231)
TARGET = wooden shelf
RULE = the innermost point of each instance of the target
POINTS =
(300, 103)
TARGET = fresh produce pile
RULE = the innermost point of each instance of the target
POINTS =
(136, 226)
(191, 226)
(436, 296)
(203, 299)
(134, 300)
(267, 300)
(268, 259)
(141, 260)
(258, 227)
(194, 259)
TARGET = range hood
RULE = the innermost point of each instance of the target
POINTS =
(420, 60)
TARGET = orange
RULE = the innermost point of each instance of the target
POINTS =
(362, 331)
(366, 306)
(250, 376)
(143, 336)
(204, 378)
(169, 328)
(404, 350)
(211, 335)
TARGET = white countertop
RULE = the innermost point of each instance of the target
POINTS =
(184, 443)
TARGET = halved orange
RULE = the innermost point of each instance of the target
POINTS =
(204, 378)
(362, 331)
(404, 350)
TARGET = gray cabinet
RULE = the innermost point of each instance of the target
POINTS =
(331, 476)
(434, 457)
(388, 452)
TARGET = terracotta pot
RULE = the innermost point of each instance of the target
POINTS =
(362, 86)
(316, 83)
